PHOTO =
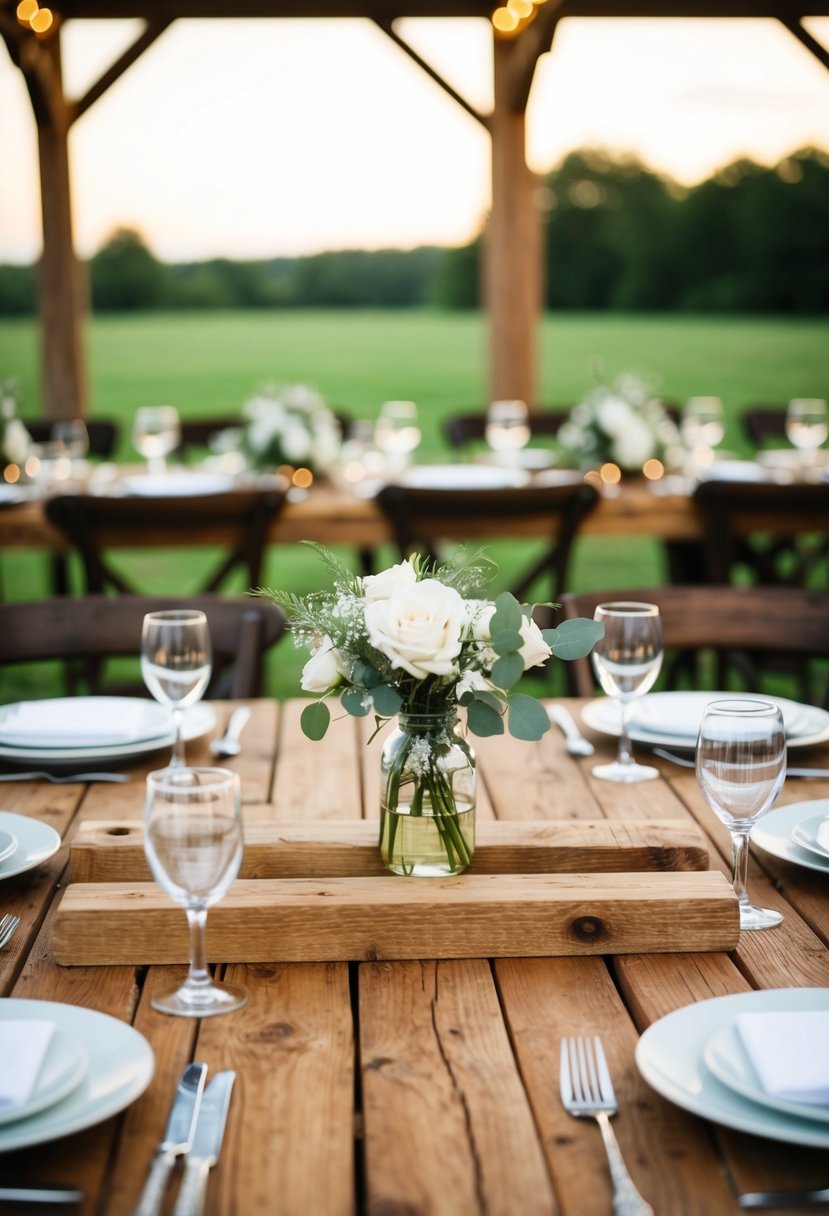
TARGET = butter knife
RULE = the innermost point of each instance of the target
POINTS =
(177, 1139)
(687, 762)
(207, 1145)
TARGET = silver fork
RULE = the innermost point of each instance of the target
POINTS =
(587, 1092)
(64, 779)
(8, 924)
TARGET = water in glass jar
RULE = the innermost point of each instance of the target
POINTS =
(414, 845)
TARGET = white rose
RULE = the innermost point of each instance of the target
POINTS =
(632, 448)
(323, 670)
(535, 650)
(479, 614)
(614, 416)
(17, 441)
(396, 578)
(418, 628)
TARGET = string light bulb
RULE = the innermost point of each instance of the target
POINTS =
(504, 20)
(26, 9)
(42, 20)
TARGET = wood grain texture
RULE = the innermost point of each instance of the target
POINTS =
(470, 916)
(324, 781)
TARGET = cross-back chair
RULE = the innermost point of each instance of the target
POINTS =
(103, 434)
(762, 423)
(737, 626)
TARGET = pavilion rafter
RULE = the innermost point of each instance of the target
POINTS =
(795, 26)
(533, 42)
(152, 31)
(387, 26)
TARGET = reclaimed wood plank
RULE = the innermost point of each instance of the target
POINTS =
(447, 1124)
(471, 916)
(316, 781)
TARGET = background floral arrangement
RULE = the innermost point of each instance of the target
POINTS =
(285, 425)
(14, 438)
(624, 423)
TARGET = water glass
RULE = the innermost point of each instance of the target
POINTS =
(741, 767)
(193, 843)
(702, 427)
(397, 433)
(176, 661)
(626, 661)
(507, 427)
(807, 427)
(74, 437)
(156, 432)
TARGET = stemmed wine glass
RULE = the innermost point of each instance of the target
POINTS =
(397, 433)
(176, 661)
(806, 428)
(193, 843)
(507, 428)
(627, 660)
(741, 767)
(702, 427)
(156, 432)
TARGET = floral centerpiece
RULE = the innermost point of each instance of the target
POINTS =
(418, 641)
(624, 423)
(285, 425)
(14, 438)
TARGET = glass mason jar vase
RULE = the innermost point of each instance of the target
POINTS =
(427, 814)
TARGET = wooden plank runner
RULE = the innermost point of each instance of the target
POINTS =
(471, 916)
(114, 851)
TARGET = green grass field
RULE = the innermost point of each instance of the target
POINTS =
(210, 363)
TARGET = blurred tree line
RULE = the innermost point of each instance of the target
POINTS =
(618, 236)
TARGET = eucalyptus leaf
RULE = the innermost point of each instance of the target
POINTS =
(494, 699)
(353, 701)
(507, 613)
(387, 700)
(508, 670)
(366, 675)
(527, 718)
(507, 641)
(483, 721)
(314, 720)
(577, 638)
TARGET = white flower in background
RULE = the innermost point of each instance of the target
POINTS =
(381, 586)
(633, 446)
(16, 441)
(625, 423)
(286, 425)
(324, 669)
(614, 415)
(535, 650)
(419, 628)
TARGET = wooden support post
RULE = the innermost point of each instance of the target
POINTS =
(513, 246)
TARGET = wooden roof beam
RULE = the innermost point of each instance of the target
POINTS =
(388, 29)
(533, 42)
(794, 26)
(152, 30)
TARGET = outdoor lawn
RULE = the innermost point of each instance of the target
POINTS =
(209, 363)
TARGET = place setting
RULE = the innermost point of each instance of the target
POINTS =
(797, 833)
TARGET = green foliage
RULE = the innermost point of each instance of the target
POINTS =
(124, 275)
(314, 720)
(574, 639)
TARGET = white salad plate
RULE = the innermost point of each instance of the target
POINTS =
(181, 484)
(81, 722)
(774, 834)
(463, 477)
(670, 1056)
(120, 1066)
(8, 844)
(198, 720)
(726, 1057)
(813, 834)
(672, 719)
(64, 1067)
(36, 843)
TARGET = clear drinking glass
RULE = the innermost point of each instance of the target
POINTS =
(627, 661)
(176, 661)
(156, 432)
(702, 427)
(193, 843)
(397, 433)
(507, 427)
(741, 767)
(807, 427)
(74, 436)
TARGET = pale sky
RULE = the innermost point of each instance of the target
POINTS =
(263, 138)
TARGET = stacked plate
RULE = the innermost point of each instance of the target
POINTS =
(81, 731)
(798, 833)
(177, 483)
(698, 1058)
(24, 843)
(672, 719)
(463, 477)
(91, 1067)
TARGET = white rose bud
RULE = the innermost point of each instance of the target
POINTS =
(535, 650)
(381, 586)
(324, 669)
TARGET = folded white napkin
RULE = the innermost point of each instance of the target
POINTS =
(681, 714)
(23, 1047)
(789, 1052)
(81, 722)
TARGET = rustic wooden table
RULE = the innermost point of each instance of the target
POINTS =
(420, 1086)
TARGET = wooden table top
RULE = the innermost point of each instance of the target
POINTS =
(420, 1086)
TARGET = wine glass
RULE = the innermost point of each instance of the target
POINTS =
(156, 432)
(72, 433)
(741, 767)
(193, 843)
(176, 660)
(397, 433)
(702, 427)
(807, 428)
(507, 427)
(627, 660)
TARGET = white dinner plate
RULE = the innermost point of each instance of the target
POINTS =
(198, 720)
(10, 494)
(81, 722)
(735, 470)
(36, 843)
(120, 1066)
(671, 719)
(774, 831)
(63, 1068)
(8, 844)
(524, 458)
(669, 1055)
(180, 484)
(813, 834)
(462, 477)
(726, 1057)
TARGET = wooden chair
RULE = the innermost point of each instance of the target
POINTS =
(422, 518)
(764, 423)
(238, 520)
(736, 626)
(103, 434)
(462, 429)
(91, 629)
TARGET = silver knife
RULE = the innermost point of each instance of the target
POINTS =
(177, 1139)
(687, 762)
(207, 1144)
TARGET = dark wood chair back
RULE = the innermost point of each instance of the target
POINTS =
(198, 432)
(764, 423)
(103, 434)
(89, 629)
(737, 626)
(462, 429)
(422, 518)
(238, 520)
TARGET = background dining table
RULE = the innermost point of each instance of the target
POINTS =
(418, 1086)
